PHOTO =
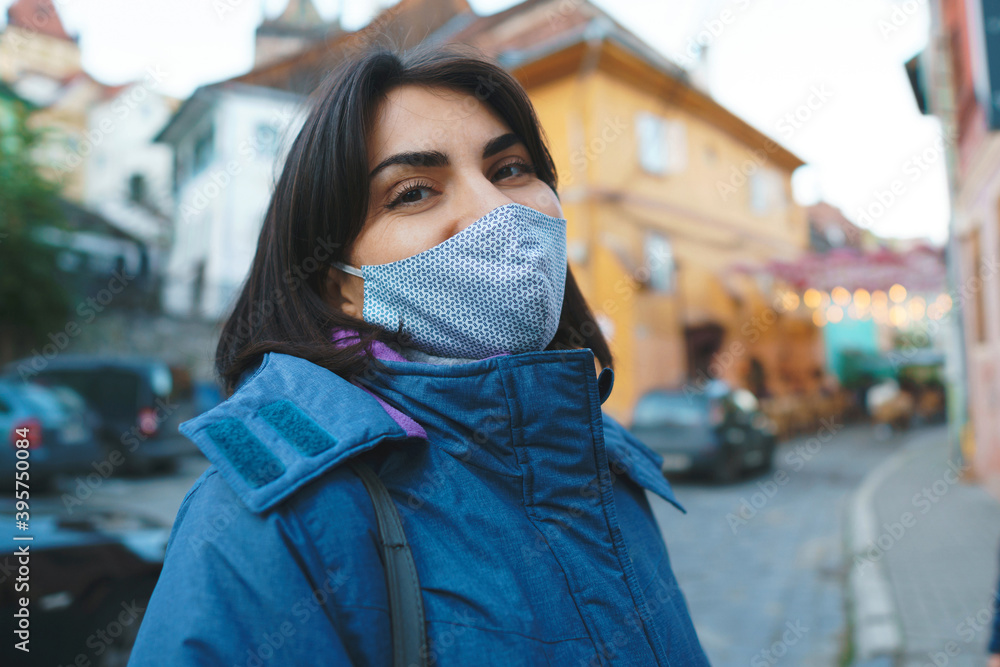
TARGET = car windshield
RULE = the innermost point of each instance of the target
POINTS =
(69, 398)
(42, 402)
(671, 410)
(113, 393)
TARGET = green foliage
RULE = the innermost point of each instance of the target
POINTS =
(32, 300)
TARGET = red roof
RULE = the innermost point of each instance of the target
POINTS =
(37, 15)
(920, 269)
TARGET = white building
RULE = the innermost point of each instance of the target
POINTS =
(229, 142)
(128, 178)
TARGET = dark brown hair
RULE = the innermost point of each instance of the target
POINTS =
(320, 204)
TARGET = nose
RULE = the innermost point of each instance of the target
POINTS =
(475, 196)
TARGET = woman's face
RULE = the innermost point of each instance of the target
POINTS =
(438, 161)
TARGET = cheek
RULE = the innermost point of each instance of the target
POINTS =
(541, 198)
(392, 239)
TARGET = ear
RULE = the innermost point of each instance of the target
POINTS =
(344, 292)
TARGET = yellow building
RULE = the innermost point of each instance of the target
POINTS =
(673, 202)
(41, 62)
(666, 193)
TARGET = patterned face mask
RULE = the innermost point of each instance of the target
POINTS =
(496, 286)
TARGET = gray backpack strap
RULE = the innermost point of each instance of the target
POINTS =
(406, 607)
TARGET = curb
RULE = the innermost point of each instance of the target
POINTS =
(877, 633)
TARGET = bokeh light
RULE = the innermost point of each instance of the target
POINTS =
(790, 301)
(841, 296)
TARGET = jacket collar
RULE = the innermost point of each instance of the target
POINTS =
(282, 427)
(285, 425)
(501, 395)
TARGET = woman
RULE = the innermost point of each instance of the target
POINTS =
(445, 343)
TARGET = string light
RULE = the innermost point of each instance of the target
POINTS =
(897, 293)
(857, 313)
(841, 296)
(811, 298)
(790, 301)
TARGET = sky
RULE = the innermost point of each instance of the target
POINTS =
(825, 79)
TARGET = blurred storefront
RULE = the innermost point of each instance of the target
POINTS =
(959, 77)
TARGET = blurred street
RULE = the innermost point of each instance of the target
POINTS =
(763, 561)
(784, 565)
(157, 497)
(782, 537)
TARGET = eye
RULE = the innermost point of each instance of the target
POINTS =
(512, 169)
(410, 193)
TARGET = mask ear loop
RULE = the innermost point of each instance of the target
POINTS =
(347, 268)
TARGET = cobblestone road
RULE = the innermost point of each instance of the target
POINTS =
(761, 563)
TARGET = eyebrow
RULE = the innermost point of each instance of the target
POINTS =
(439, 159)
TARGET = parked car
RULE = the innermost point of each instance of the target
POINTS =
(717, 431)
(59, 428)
(140, 400)
(91, 576)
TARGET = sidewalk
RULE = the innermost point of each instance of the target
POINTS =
(923, 560)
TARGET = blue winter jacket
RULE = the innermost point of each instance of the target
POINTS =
(524, 505)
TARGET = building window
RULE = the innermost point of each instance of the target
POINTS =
(198, 288)
(267, 139)
(204, 149)
(181, 170)
(980, 305)
(767, 191)
(662, 144)
(711, 157)
(137, 188)
(659, 258)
